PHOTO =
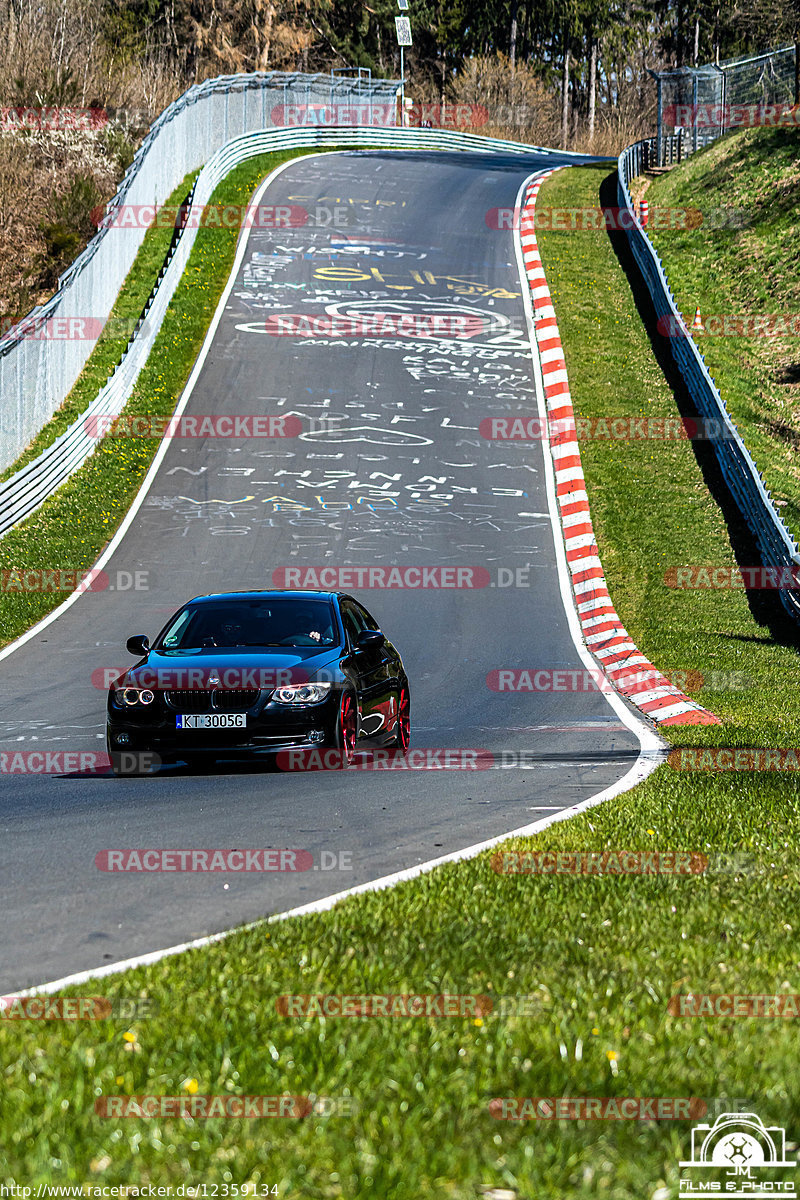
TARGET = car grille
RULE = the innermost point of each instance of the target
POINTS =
(189, 701)
(235, 701)
(197, 700)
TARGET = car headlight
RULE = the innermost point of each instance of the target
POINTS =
(129, 696)
(302, 693)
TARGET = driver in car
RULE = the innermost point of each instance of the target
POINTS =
(310, 625)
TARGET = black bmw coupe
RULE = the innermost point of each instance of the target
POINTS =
(244, 672)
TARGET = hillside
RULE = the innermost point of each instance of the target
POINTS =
(743, 261)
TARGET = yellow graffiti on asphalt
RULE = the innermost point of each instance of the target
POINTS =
(192, 500)
(452, 283)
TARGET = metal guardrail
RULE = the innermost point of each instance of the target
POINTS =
(675, 147)
(38, 365)
(776, 545)
(28, 488)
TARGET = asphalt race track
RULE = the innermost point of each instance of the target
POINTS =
(390, 469)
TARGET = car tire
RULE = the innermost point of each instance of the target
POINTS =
(346, 731)
(402, 735)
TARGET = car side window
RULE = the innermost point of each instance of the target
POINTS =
(367, 621)
(352, 625)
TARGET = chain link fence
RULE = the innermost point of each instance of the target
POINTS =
(696, 105)
(42, 356)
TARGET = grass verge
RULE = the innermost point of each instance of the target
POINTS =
(656, 504)
(598, 958)
(752, 179)
(69, 531)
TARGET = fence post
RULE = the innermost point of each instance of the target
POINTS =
(660, 131)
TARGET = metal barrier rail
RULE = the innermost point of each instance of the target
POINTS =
(39, 363)
(776, 545)
(28, 488)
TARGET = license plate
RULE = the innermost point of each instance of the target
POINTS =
(211, 721)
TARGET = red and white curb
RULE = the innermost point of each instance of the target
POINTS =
(631, 674)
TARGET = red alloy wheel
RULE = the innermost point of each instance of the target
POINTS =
(347, 729)
(403, 729)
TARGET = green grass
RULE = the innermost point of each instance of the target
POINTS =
(651, 507)
(69, 531)
(750, 270)
(600, 956)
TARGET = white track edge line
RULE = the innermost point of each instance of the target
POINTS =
(147, 482)
(651, 745)
(638, 771)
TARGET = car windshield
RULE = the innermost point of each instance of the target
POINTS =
(280, 621)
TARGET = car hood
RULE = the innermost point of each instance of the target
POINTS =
(235, 667)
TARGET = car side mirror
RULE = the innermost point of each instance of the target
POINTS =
(370, 639)
(138, 644)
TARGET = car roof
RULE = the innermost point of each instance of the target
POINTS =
(265, 595)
